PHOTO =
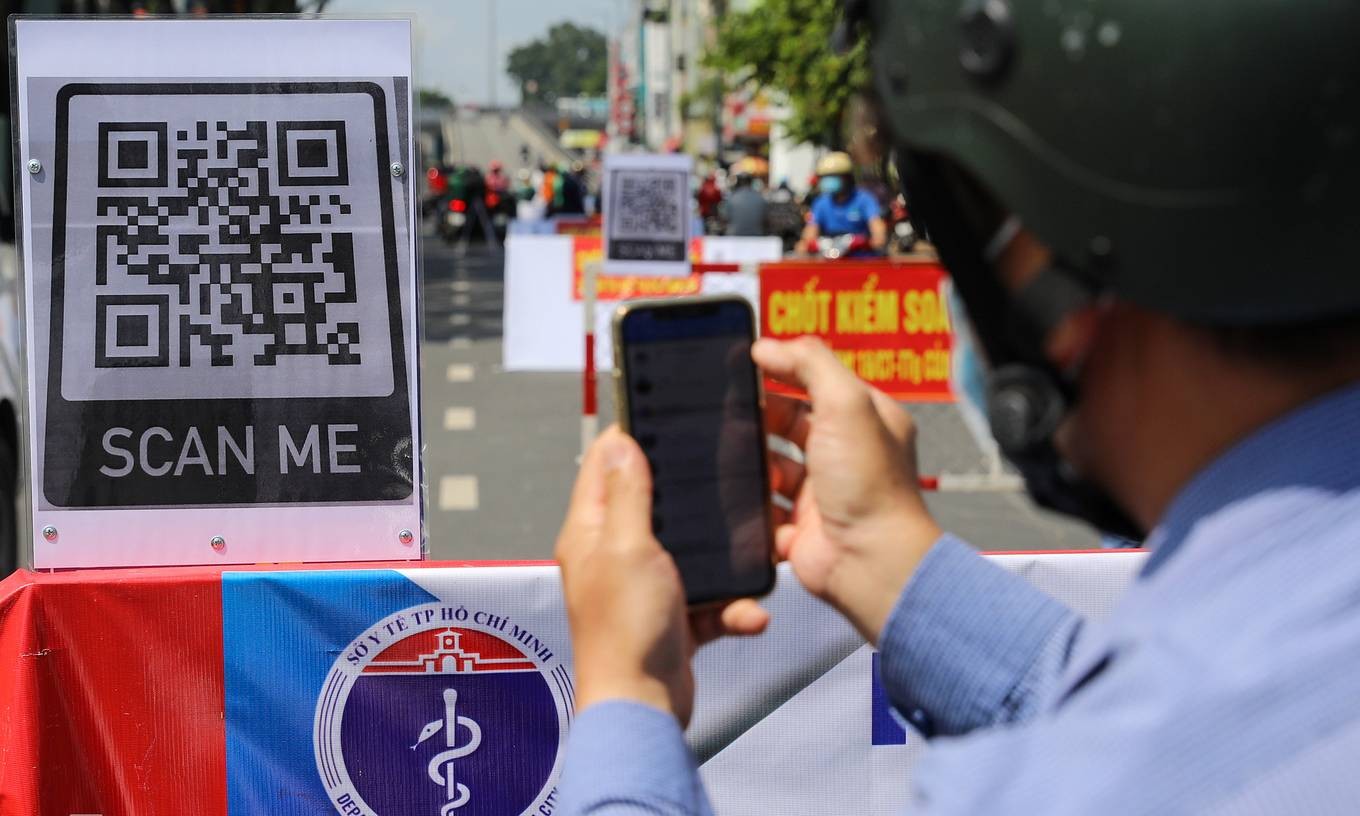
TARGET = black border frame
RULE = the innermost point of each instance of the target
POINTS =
(64, 484)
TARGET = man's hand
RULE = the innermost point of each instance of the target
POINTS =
(859, 525)
(632, 635)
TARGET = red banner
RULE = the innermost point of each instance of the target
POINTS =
(578, 226)
(587, 248)
(888, 322)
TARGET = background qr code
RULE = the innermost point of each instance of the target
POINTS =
(237, 253)
(649, 204)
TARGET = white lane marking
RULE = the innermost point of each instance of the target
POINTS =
(460, 372)
(460, 319)
(458, 493)
(460, 419)
(462, 286)
(460, 342)
(461, 300)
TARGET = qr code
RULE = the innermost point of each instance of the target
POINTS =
(209, 249)
(236, 249)
(649, 204)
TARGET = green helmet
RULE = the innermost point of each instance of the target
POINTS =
(1198, 158)
(1201, 159)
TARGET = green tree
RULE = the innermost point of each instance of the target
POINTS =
(783, 46)
(571, 60)
(433, 98)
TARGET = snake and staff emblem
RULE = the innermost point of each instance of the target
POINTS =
(484, 697)
(440, 768)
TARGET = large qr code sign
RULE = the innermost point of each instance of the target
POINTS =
(648, 214)
(229, 247)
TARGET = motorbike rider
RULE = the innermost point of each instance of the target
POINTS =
(745, 209)
(497, 180)
(842, 207)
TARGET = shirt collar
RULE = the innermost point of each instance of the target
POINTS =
(1316, 446)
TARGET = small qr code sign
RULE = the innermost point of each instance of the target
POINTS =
(647, 214)
(220, 283)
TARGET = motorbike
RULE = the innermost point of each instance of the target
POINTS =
(473, 211)
(902, 234)
(849, 245)
(501, 206)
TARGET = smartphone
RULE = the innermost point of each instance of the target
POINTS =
(687, 391)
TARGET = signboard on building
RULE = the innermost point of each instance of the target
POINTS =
(219, 287)
(647, 215)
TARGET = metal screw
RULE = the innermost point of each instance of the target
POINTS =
(406, 537)
(988, 38)
(34, 166)
(218, 543)
(397, 169)
(50, 533)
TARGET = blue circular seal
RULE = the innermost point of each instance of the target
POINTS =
(445, 711)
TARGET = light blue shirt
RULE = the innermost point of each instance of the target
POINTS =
(1226, 681)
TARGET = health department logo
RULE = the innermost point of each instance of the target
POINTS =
(443, 710)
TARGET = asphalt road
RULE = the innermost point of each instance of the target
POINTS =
(500, 447)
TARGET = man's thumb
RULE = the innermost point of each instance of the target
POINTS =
(628, 491)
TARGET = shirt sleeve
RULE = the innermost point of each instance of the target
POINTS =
(628, 759)
(969, 644)
(870, 204)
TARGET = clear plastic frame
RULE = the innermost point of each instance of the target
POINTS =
(217, 244)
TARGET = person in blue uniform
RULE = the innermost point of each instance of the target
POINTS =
(842, 207)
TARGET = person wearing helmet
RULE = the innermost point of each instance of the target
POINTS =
(841, 207)
(1100, 185)
(745, 210)
(497, 180)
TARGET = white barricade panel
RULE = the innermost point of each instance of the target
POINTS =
(542, 321)
(543, 317)
(795, 722)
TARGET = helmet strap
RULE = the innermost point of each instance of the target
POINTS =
(1027, 396)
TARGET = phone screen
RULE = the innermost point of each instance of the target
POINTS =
(693, 405)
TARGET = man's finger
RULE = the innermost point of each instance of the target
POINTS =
(779, 515)
(895, 417)
(586, 508)
(628, 491)
(787, 417)
(784, 536)
(807, 363)
(744, 617)
(786, 475)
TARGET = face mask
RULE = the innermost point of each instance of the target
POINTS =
(830, 185)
